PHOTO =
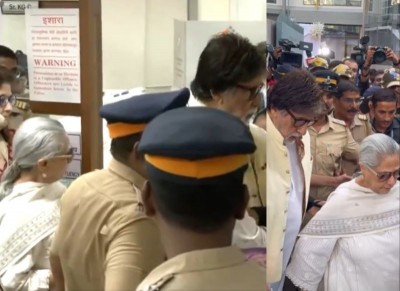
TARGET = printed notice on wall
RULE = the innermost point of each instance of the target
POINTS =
(53, 54)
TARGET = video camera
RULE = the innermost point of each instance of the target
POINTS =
(379, 54)
(291, 58)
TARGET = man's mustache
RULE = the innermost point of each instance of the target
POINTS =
(353, 110)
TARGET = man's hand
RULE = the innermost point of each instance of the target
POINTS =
(369, 57)
(390, 55)
(277, 53)
(341, 179)
(313, 210)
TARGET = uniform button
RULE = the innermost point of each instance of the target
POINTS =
(281, 250)
(284, 230)
(287, 192)
(287, 172)
(285, 210)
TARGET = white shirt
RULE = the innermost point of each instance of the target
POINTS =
(294, 210)
(247, 234)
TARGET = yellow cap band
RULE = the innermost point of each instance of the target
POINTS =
(121, 129)
(199, 169)
(324, 80)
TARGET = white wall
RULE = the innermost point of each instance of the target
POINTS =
(234, 10)
(123, 25)
(159, 40)
(12, 31)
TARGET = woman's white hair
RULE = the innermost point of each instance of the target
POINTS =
(375, 147)
(35, 139)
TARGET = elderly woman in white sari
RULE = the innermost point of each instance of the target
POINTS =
(352, 243)
(29, 210)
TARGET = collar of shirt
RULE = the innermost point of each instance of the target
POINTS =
(388, 130)
(126, 173)
(200, 260)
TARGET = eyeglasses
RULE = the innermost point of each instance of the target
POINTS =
(351, 101)
(4, 100)
(384, 176)
(254, 91)
(69, 156)
(299, 122)
(16, 72)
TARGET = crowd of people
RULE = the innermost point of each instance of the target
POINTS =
(286, 179)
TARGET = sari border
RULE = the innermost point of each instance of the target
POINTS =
(27, 236)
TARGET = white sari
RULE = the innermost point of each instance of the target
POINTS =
(29, 216)
(351, 244)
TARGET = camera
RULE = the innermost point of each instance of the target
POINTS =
(378, 57)
(291, 58)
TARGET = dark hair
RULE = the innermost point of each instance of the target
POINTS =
(379, 72)
(333, 64)
(202, 208)
(383, 95)
(6, 52)
(6, 77)
(297, 90)
(227, 60)
(345, 86)
(260, 113)
(121, 147)
(262, 48)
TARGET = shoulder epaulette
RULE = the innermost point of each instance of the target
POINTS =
(158, 285)
(22, 105)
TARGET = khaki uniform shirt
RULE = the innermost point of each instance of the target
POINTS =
(360, 128)
(104, 240)
(255, 175)
(328, 146)
(210, 269)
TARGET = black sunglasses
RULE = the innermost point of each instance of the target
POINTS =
(4, 100)
(254, 91)
(299, 122)
(384, 176)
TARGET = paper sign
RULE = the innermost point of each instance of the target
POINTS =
(73, 170)
(75, 141)
(18, 7)
(53, 54)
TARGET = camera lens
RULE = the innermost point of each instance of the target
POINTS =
(379, 55)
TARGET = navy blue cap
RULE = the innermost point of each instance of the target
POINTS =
(282, 70)
(196, 143)
(327, 80)
(130, 116)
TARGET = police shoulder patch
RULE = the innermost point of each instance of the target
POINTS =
(363, 117)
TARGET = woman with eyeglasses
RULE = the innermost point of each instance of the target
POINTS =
(29, 203)
(7, 100)
(352, 243)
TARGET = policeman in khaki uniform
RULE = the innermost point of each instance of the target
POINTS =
(104, 240)
(195, 170)
(330, 141)
(347, 105)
